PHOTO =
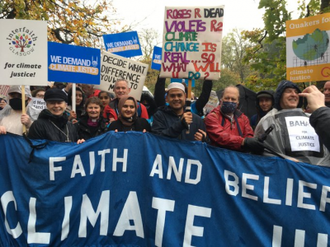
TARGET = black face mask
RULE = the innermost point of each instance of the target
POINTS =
(16, 103)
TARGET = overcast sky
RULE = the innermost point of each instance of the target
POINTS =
(240, 14)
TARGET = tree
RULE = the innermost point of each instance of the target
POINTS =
(70, 22)
(267, 56)
(233, 51)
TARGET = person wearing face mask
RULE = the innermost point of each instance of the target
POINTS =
(92, 123)
(128, 119)
(11, 117)
(229, 128)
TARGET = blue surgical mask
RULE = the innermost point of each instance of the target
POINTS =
(228, 107)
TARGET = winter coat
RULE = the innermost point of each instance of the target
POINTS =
(53, 128)
(320, 120)
(225, 132)
(139, 125)
(87, 132)
(167, 123)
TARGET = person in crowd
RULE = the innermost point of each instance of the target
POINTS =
(3, 102)
(52, 123)
(149, 102)
(80, 105)
(320, 118)
(92, 123)
(121, 89)
(67, 87)
(172, 121)
(196, 106)
(229, 128)
(12, 119)
(292, 136)
(264, 103)
(128, 118)
(90, 91)
(39, 93)
(105, 97)
(326, 91)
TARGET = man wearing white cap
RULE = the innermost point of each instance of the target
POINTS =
(11, 117)
(173, 121)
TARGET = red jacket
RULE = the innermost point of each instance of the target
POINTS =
(224, 133)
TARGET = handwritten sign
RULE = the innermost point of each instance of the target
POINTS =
(192, 42)
(115, 67)
(302, 135)
(23, 49)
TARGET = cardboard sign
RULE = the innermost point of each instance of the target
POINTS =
(69, 63)
(156, 62)
(307, 49)
(192, 42)
(115, 67)
(23, 49)
(123, 44)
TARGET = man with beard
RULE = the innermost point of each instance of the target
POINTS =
(173, 121)
(229, 128)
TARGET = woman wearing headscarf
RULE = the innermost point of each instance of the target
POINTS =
(92, 123)
(127, 117)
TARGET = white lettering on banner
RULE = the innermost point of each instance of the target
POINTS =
(87, 212)
(302, 135)
(130, 212)
(157, 168)
(6, 198)
(299, 238)
(79, 168)
(162, 205)
(232, 187)
(190, 229)
(33, 236)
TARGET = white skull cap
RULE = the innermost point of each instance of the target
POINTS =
(176, 85)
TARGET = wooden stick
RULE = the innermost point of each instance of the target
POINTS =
(23, 105)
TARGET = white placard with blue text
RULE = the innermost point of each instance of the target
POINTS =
(23, 52)
(69, 63)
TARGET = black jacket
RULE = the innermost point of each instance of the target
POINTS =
(139, 125)
(320, 120)
(86, 132)
(53, 128)
(167, 123)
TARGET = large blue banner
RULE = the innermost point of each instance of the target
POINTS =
(69, 63)
(124, 44)
(137, 189)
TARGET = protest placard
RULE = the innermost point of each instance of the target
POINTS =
(307, 49)
(69, 63)
(115, 67)
(156, 58)
(192, 42)
(23, 49)
(124, 44)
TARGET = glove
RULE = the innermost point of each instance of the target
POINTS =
(253, 145)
